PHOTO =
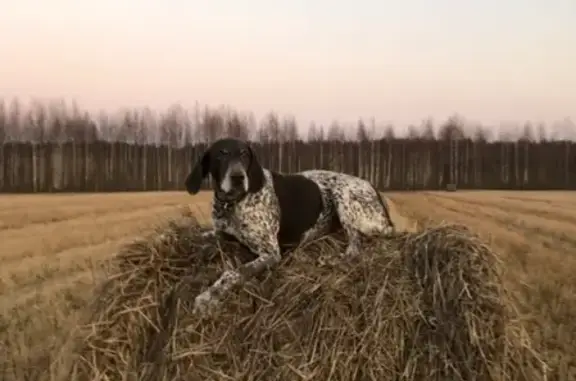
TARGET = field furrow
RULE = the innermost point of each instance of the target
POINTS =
(41, 294)
(549, 231)
(26, 218)
(42, 241)
(564, 198)
(563, 212)
(34, 271)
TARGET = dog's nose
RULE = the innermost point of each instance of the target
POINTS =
(237, 178)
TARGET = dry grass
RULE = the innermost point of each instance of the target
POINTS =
(536, 232)
(53, 246)
(422, 306)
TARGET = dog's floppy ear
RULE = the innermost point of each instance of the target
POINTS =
(194, 180)
(255, 173)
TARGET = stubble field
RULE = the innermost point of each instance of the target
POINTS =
(52, 246)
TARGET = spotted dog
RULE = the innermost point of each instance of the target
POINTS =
(269, 212)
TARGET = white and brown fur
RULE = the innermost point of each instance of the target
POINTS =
(268, 211)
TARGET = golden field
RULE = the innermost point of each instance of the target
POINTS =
(51, 248)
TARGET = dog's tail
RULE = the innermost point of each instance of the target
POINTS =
(385, 207)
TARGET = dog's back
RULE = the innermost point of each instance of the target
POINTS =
(300, 203)
(354, 198)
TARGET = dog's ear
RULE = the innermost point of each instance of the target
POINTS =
(255, 173)
(194, 180)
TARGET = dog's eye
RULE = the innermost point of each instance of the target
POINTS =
(224, 152)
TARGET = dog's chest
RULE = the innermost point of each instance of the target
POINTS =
(227, 220)
(241, 219)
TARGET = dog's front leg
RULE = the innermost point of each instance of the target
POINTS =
(218, 227)
(209, 234)
(268, 257)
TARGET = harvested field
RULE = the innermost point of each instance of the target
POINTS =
(52, 248)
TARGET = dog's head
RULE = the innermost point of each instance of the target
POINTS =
(233, 167)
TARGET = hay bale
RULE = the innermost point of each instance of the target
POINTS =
(451, 187)
(423, 306)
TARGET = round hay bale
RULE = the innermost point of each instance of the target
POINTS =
(421, 306)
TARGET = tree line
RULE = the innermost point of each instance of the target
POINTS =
(58, 121)
(55, 147)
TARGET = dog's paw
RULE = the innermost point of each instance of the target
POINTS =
(205, 304)
(208, 234)
(350, 252)
(389, 231)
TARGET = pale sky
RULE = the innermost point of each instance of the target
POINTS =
(397, 61)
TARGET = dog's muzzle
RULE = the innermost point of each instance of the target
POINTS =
(235, 181)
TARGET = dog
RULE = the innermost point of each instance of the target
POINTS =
(268, 211)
